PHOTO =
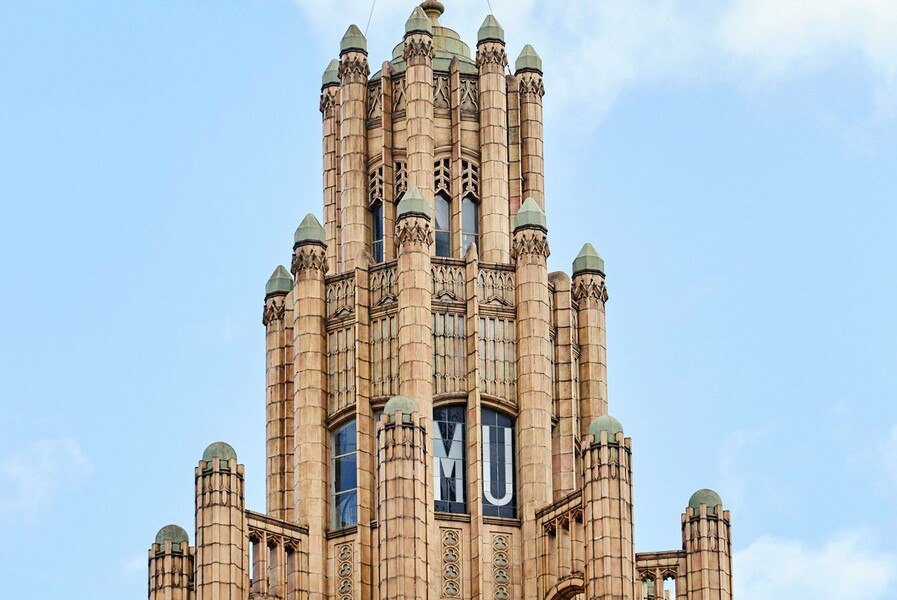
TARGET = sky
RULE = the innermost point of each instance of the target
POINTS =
(734, 162)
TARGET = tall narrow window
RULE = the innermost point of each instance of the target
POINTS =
(377, 231)
(498, 465)
(448, 449)
(345, 479)
(470, 223)
(443, 234)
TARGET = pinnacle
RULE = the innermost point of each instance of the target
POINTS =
(413, 203)
(528, 60)
(331, 73)
(280, 282)
(587, 260)
(530, 215)
(418, 22)
(353, 40)
(491, 30)
(310, 230)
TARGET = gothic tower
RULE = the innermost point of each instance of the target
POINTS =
(436, 401)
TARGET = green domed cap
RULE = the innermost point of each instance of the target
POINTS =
(588, 260)
(418, 22)
(310, 230)
(605, 423)
(402, 404)
(530, 215)
(490, 30)
(173, 533)
(413, 203)
(353, 40)
(280, 282)
(220, 450)
(528, 60)
(707, 497)
(331, 74)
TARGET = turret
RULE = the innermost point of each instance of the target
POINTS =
(332, 152)
(590, 294)
(222, 557)
(707, 542)
(531, 89)
(278, 321)
(491, 62)
(354, 73)
(171, 565)
(418, 54)
(607, 512)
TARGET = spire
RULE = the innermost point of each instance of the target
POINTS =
(588, 260)
(418, 22)
(530, 215)
(280, 282)
(310, 230)
(413, 203)
(491, 31)
(528, 60)
(331, 74)
(353, 40)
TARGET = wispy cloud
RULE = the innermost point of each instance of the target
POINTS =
(32, 477)
(847, 567)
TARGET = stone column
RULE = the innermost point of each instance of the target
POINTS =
(278, 321)
(222, 557)
(353, 72)
(607, 513)
(531, 90)
(590, 293)
(171, 565)
(706, 539)
(566, 432)
(312, 496)
(418, 56)
(330, 113)
(494, 208)
(530, 253)
(405, 497)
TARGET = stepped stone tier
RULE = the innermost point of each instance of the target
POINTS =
(436, 400)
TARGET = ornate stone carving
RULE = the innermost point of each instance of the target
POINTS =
(470, 179)
(588, 286)
(375, 101)
(492, 54)
(451, 563)
(344, 572)
(275, 308)
(399, 103)
(531, 84)
(309, 257)
(375, 186)
(329, 102)
(354, 67)
(470, 96)
(442, 175)
(400, 185)
(413, 229)
(530, 243)
(441, 93)
(419, 47)
(501, 567)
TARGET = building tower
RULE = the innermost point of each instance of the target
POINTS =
(436, 400)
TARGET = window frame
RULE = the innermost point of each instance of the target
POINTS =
(338, 494)
(441, 505)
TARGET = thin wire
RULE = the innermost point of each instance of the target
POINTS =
(366, 27)
(489, 4)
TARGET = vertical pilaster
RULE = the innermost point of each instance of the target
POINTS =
(278, 321)
(566, 432)
(222, 559)
(530, 253)
(418, 54)
(171, 566)
(353, 71)
(530, 90)
(330, 114)
(494, 210)
(312, 497)
(590, 293)
(607, 508)
(706, 539)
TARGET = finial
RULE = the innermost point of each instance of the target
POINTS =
(402, 404)
(491, 31)
(418, 22)
(413, 203)
(331, 74)
(709, 498)
(220, 450)
(434, 10)
(530, 215)
(605, 423)
(310, 230)
(280, 282)
(353, 40)
(588, 259)
(528, 60)
(172, 533)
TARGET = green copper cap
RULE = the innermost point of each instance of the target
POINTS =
(402, 404)
(605, 423)
(530, 215)
(353, 40)
(418, 22)
(280, 282)
(588, 260)
(413, 203)
(528, 60)
(173, 533)
(707, 497)
(310, 230)
(490, 30)
(331, 74)
(220, 450)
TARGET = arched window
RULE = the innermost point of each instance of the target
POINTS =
(470, 223)
(448, 450)
(345, 478)
(443, 233)
(377, 231)
(498, 465)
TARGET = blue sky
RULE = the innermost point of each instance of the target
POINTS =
(734, 162)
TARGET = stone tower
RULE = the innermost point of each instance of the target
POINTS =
(436, 401)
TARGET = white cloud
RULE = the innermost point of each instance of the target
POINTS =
(31, 478)
(597, 51)
(847, 567)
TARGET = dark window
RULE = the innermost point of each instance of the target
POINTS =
(345, 478)
(377, 231)
(499, 498)
(448, 448)
(470, 223)
(443, 233)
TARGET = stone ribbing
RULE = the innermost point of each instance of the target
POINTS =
(278, 321)
(607, 517)
(590, 294)
(354, 228)
(566, 432)
(531, 90)
(330, 113)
